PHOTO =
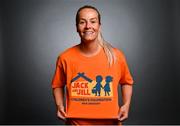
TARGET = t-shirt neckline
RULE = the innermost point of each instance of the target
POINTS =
(80, 55)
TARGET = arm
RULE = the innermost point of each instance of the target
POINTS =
(126, 96)
(59, 100)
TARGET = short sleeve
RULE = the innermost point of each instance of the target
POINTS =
(59, 75)
(126, 77)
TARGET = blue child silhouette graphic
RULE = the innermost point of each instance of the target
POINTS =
(107, 85)
(98, 86)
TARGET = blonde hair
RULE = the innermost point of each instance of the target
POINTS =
(108, 49)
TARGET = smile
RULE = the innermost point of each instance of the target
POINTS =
(88, 32)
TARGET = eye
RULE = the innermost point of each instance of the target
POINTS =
(93, 22)
(81, 22)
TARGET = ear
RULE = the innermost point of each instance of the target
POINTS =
(100, 30)
(99, 35)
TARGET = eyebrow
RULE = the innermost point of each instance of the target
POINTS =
(90, 18)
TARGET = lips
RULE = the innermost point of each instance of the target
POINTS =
(88, 32)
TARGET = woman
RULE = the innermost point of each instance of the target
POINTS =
(84, 69)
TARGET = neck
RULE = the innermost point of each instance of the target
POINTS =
(90, 48)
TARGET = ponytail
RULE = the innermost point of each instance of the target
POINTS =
(108, 49)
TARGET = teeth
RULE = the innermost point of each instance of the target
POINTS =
(88, 33)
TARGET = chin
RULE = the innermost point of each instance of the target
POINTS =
(89, 39)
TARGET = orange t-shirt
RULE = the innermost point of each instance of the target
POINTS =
(91, 85)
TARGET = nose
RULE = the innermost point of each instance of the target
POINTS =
(88, 25)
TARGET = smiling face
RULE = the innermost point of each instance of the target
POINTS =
(88, 25)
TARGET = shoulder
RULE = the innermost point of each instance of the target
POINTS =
(119, 53)
(67, 53)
